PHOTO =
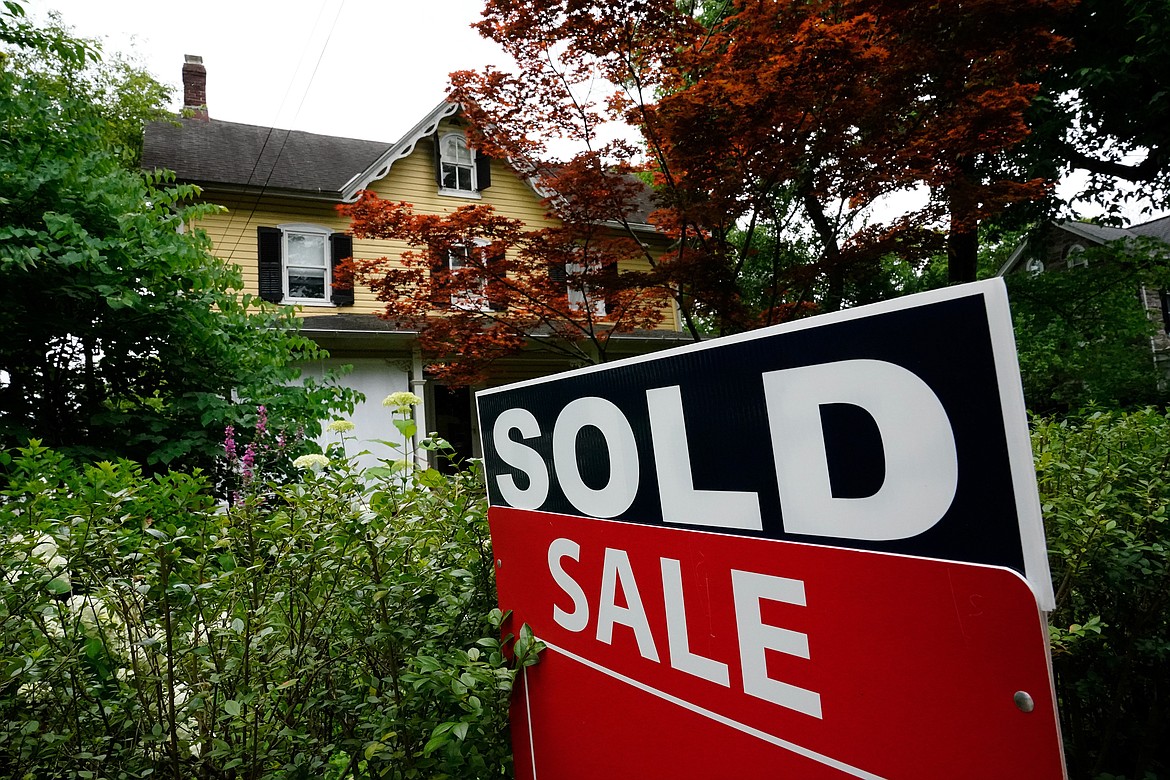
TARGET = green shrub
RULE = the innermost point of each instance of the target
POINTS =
(1105, 487)
(320, 627)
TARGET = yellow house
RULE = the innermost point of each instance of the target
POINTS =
(281, 188)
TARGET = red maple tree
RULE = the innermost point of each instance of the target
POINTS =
(744, 113)
(479, 286)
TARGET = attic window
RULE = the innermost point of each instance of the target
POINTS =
(458, 164)
(459, 169)
(1035, 266)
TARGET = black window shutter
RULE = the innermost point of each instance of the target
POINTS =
(559, 276)
(438, 160)
(440, 277)
(483, 171)
(268, 248)
(497, 288)
(341, 248)
(610, 276)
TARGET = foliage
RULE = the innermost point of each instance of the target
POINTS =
(123, 336)
(1104, 107)
(553, 288)
(1082, 334)
(752, 112)
(1105, 493)
(318, 628)
(113, 87)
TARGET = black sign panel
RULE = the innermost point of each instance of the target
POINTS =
(894, 428)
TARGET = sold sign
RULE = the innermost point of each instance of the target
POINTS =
(818, 545)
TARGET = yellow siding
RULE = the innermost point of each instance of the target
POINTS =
(411, 179)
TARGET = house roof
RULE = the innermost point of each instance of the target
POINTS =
(236, 155)
(1097, 234)
(1156, 228)
(401, 148)
(228, 154)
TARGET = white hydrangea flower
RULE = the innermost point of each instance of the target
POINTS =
(311, 462)
(340, 426)
(401, 401)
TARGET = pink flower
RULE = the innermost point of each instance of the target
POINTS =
(248, 461)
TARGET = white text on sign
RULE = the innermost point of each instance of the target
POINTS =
(755, 637)
(921, 464)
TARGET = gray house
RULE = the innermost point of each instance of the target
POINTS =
(1062, 246)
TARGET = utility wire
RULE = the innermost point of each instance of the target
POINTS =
(292, 123)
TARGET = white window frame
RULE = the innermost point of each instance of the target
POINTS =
(579, 293)
(306, 229)
(468, 165)
(1034, 266)
(457, 254)
(1074, 257)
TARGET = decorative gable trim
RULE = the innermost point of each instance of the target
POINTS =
(403, 148)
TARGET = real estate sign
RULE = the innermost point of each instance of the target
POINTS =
(814, 548)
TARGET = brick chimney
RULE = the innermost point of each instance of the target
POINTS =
(195, 88)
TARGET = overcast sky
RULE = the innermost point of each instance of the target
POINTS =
(358, 68)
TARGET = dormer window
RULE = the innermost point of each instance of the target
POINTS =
(459, 169)
(296, 262)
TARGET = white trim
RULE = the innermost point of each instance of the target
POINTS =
(1029, 516)
(404, 147)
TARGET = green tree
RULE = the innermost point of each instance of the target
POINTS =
(1105, 108)
(1082, 335)
(110, 86)
(122, 334)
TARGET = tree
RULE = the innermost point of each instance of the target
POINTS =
(112, 87)
(1083, 336)
(1102, 481)
(122, 334)
(501, 287)
(750, 109)
(1104, 107)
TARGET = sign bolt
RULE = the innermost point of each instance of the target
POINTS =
(1024, 701)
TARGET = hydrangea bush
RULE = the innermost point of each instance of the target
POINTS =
(324, 624)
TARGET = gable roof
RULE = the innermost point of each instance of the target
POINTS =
(1097, 234)
(401, 148)
(1155, 228)
(236, 155)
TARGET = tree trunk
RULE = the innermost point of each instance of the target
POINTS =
(962, 256)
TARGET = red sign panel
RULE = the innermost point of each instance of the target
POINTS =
(690, 654)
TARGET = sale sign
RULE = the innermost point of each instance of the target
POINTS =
(745, 658)
(816, 546)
